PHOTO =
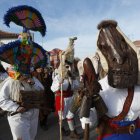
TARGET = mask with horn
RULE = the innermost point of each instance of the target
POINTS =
(67, 59)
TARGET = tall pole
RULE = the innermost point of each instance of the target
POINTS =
(71, 44)
(61, 98)
(86, 132)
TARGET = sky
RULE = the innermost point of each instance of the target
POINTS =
(69, 18)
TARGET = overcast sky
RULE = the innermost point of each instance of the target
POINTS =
(68, 18)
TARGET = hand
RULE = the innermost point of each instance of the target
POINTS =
(21, 109)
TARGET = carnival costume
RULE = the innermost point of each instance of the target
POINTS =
(21, 94)
(120, 90)
(45, 77)
(129, 127)
(65, 77)
(116, 96)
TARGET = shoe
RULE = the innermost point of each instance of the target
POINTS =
(74, 135)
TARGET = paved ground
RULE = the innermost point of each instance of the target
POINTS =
(51, 134)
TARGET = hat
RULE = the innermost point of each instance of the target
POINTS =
(54, 57)
(23, 53)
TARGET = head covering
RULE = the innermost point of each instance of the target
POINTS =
(23, 53)
(136, 49)
(67, 58)
(120, 55)
(54, 57)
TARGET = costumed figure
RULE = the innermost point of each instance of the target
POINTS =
(64, 83)
(120, 89)
(90, 102)
(55, 60)
(50, 95)
(97, 72)
(44, 75)
(20, 94)
(54, 57)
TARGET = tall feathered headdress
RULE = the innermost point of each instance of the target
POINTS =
(24, 53)
(27, 17)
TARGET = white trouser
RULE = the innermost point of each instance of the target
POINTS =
(92, 120)
(24, 126)
(66, 113)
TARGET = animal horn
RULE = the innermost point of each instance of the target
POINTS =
(89, 70)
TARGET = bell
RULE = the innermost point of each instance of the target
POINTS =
(100, 105)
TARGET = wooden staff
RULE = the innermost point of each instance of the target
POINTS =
(71, 42)
(61, 98)
(86, 132)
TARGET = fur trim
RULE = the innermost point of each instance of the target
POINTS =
(106, 23)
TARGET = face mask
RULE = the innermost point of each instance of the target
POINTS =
(121, 58)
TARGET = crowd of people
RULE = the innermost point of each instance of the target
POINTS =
(104, 89)
(41, 79)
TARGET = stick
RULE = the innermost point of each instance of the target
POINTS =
(86, 132)
(61, 100)
(61, 96)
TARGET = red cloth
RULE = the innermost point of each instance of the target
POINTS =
(58, 103)
(66, 94)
